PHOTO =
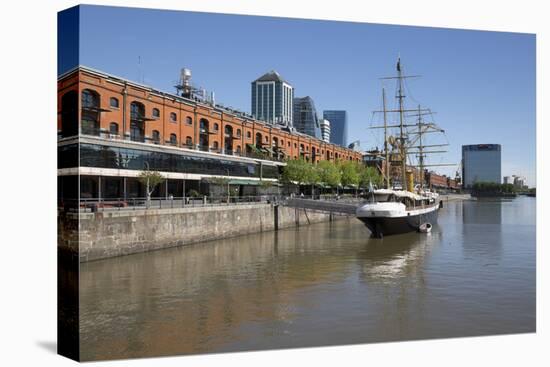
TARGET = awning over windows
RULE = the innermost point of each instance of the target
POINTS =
(244, 182)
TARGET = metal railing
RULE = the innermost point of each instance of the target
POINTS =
(141, 203)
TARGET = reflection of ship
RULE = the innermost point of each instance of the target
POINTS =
(391, 211)
(401, 257)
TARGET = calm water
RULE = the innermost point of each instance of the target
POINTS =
(322, 284)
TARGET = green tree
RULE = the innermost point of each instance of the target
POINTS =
(222, 182)
(150, 179)
(329, 173)
(295, 171)
(350, 173)
(369, 175)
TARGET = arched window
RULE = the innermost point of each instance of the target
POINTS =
(216, 127)
(203, 134)
(113, 102)
(267, 139)
(228, 142)
(69, 114)
(173, 117)
(189, 120)
(238, 133)
(215, 145)
(289, 144)
(156, 137)
(137, 121)
(189, 142)
(248, 135)
(238, 150)
(173, 139)
(90, 99)
(258, 140)
(113, 128)
(90, 112)
(156, 113)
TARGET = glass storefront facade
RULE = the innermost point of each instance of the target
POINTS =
(103, 156)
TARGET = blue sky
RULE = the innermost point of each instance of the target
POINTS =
(480, 84)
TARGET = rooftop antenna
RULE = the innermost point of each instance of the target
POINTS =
(140, 75)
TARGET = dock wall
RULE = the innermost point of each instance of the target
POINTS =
(114, 233)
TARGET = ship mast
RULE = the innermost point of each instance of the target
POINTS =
(420, 149)
(386, 151)
(403, 149)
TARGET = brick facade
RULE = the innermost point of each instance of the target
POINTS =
(167, 115)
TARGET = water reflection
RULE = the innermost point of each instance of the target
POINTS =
(396, 257)
(322, 284)
(482, 221)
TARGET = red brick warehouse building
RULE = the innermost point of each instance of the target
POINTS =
(110, 129)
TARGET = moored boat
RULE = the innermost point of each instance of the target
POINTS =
(412, 208)
(394, 212)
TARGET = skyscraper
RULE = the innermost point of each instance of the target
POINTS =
(272, 99)
(481, 163)
(338, 126)
(305, 117)
(325, 130)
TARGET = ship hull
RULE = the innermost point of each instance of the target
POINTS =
(387, 226)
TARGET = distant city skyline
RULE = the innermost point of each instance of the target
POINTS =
(481, 84)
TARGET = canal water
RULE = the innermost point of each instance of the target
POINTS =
(323, 284)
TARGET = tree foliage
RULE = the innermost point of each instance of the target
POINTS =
(493, 187)
(150, 179)
(328, 173)
(349, 173)
(296, 171)
(333, 174)
(370, 175)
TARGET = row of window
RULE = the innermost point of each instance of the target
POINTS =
(137, 110)
(91, 115)
(101, 156)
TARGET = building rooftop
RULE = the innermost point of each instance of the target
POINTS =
(176, 97)
(271, 76)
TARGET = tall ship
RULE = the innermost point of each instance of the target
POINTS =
(402, 206)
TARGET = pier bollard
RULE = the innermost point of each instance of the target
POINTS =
(276, 216)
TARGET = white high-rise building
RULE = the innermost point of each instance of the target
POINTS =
(325, 129)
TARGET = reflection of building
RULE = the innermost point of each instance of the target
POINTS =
(482, 223)
(325, 130)
(338, 126)
(305, 117)
(481, 163)
(272, 99)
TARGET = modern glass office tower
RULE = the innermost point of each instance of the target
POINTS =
(338, 126)
(272, 99)
(305, 117)
(481, 163)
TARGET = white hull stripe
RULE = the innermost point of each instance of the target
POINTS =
(373, 213)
